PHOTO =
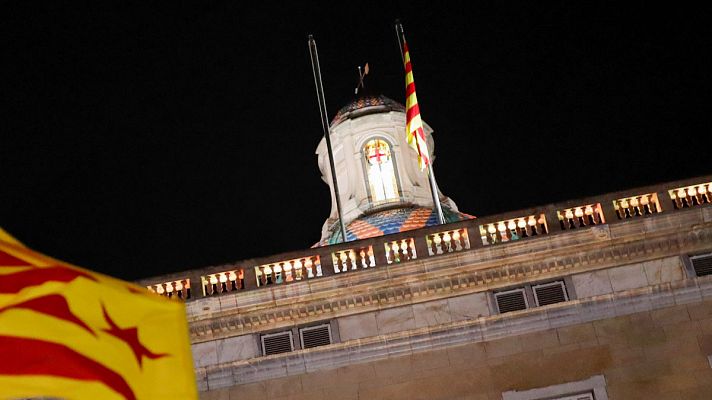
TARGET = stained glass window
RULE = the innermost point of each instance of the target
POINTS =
(380, 170)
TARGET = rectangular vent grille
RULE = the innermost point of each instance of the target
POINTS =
(511, 300)
(702, 264)
(550, 293)
(315, 336)
(276, 343)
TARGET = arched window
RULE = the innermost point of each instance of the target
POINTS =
(380, 171)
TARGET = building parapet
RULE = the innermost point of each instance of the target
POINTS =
(499, 234)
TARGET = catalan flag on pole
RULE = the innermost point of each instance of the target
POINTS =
(67, 332)
(413, 123)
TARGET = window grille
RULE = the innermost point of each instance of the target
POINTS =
(315, 336)
(702, 264)
(275, 343)
(511, 300)
(550, 293)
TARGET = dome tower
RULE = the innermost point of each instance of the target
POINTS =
(382, 189)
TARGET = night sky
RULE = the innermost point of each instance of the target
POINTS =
(141, 140)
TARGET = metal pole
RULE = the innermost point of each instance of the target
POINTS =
(325, 125)
(431, 174)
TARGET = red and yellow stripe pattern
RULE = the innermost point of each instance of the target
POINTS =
(71, 333)
(413, 123)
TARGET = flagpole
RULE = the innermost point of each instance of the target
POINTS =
(431, 174)
(325, 125)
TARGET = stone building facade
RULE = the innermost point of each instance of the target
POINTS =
(607, 297)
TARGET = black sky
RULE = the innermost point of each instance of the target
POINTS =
(140, 140)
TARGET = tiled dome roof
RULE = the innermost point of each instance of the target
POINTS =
(392, 221)
(366, 105)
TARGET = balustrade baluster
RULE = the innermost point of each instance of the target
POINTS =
(311, 266)
(392, 254)
(351, 259)
(433, 245)
(338, 266)
(411, 249)
(268, 274)
(299, 272)
(233, 281)
(448, 242)
(185, 289)
(223, 283)
(317, 266)
(441, 242)
(289, 274)
(403, 245)
(357, 259)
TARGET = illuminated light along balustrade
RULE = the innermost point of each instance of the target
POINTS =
(637, 206)
(447, 241)
(513, 229)
(398, 251)
(288, 271)
(581, 216)
(223, 282)
(179, 289)
(690, 196)
(353, 259)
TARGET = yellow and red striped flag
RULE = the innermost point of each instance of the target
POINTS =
(413, 123)
(71, 333)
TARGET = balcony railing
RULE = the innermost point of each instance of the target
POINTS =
(353, 259)
(393, 250)
(447, 241)
(180, 289)
(293, 270)
(513, 229)
(223, 282)
(637, 206)
(398, 251)
(581, 216)
(691, 196)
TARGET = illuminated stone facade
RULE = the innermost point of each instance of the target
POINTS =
(606, 297)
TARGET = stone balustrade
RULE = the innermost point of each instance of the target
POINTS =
(581, 216)
(398, 251)
(178, 288)
(353, 259)
(223, 282)
(447, 241)
(293, 270)
(637, 206)
(690, 196)
(513, 229)
(437, 241)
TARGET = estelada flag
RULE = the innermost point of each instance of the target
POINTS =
(71, 333)
(413, 124)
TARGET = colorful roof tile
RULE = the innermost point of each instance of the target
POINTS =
(392, 221)
(366, 105)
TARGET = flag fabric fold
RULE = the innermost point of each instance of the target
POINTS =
(413, 123)
(68, 332)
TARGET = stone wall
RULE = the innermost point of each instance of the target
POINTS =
(661, 354)
(636, 317)
(441, 312)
